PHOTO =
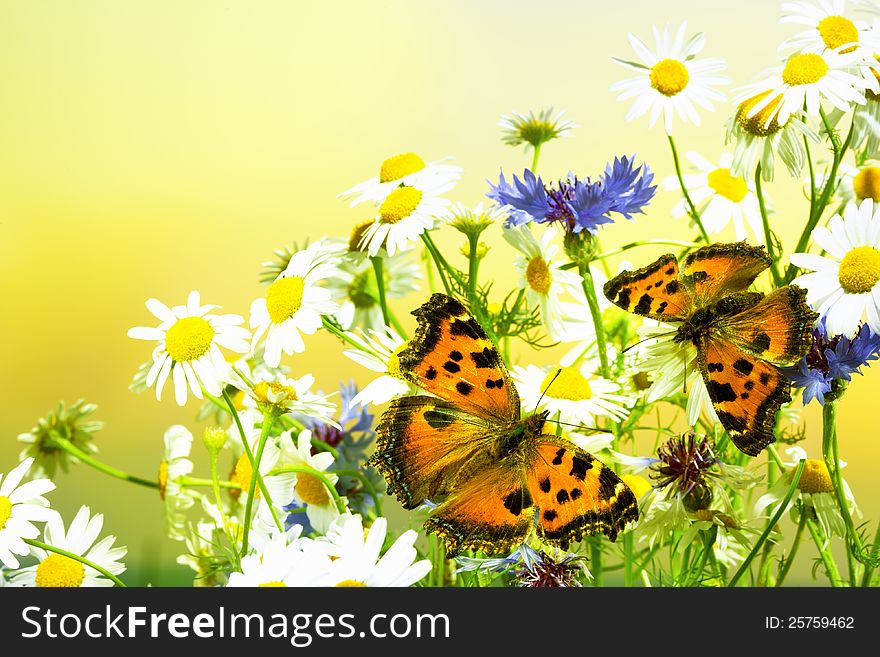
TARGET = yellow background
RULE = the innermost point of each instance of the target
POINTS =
(152, 148)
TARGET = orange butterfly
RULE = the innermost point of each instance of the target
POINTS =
(742, 338)
(496, 475)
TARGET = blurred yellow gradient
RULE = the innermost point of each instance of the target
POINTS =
(152, 148)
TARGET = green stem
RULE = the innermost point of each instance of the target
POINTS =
(766, 533)
(435, 256)
(535, 156)
(305, 469)
(199, 481)
(473, 266)
(339, 333)
(692, 209)
(626, 247)
(875, 553)
(825, 553)
(596, 561)
(628, 559)
(380, 285)
(708, 548)
(426, 237)
(73, 450)
(255, 477)
(70, 555)
(593, 303)
(812, 176)
(830, 183)
(795, 544)
(768, 237)
(367, 484)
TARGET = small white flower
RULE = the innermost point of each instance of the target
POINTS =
(309, 489)
(356, 558)
(379, 351)
(541, 276)
(21, 505)
(724, 197)
(189, 340)
(56, 570)
(843, 285)
(531, 129)
(293, 396)
(827, 27)
(671, 80)
(405, 169)
(284, 561)
(175, 464)
(294, 302)
(406, 213)
(570, 394)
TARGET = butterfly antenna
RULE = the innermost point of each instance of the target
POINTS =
(546, 388)
(582, 427)
(650, 337)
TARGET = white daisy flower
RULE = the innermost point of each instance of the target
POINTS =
(574, 395)
(21, 505)
(540, 276)
(356, 556)
(292, 396)
(294, 303)
(284, 561)
(406, 212)
(189, 340)
(760, 137)
(843, 285)
(532, 129)
(380, 352)
(827, 27)
(815, 490)
(858, 183)
(406, 169)
(804, 80)
(201, 554)
(673, 367)
(57, 570)
(309, 490)
(725, 197)
(353, 287)
(175, 464)
(671, 80)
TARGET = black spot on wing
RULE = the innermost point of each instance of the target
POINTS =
(544, 484)
(575, 493)
(562, 496)
(715, 367)
(672, 287)
(743, 366)
(438, 420)
(765, 378)
(557, 460)
(748, 385)
(670, 271)
(455, 355)
(579, 467)
(468, 327)
(720, 392)
(464, 387)
(643, 307)
(452, 368)
(516, 501)
(761, 342)
(731, 422)
(431, 373)
(623, 298)
(699, 276)
(550, 515)
(607, 484)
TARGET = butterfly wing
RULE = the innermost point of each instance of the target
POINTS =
(491, 512)
(452, 357)
(745, 391)
(421, 446)
(776, 329)
(576, 494)
(654, 291)
(718, 270)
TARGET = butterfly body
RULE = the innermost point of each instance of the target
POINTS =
(742, 338)
(492, 475)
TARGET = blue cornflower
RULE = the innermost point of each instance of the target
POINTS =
(577, 204)
(531, 568)
(832, 358)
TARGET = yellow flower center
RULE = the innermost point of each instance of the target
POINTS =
(188, 339)
(669, 76)
(271, 585)
(805, 68)
(837, 31)
(730, 187)
(399, 204)
(814, 478)
(538, 275)
(242, 473)
(866, 184)
(394, 363)
(263, 388)
(357, 234)
(569, 384)
(311, 490)
(859, 270)
(395, 168)
(56, 570)
(284, 297)
(350, 583)
(755, 125)
(5, 510)
(637, 484)
(535, 131)
(163, 478)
